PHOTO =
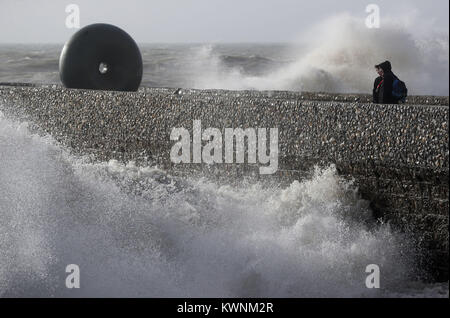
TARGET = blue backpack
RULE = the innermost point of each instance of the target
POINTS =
(399, 90)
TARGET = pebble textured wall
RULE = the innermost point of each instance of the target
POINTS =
(398, 155)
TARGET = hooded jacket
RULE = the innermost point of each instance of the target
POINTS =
(383, 86)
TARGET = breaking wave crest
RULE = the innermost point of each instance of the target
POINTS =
(338, 56)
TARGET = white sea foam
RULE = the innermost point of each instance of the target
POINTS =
(136, 231)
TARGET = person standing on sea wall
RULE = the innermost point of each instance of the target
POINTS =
(383, 86)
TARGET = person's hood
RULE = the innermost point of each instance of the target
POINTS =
(385, 66)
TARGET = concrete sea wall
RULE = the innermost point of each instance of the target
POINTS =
(398, 155)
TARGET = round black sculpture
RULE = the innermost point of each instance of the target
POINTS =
(103, 57)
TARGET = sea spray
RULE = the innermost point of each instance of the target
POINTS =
(139, 232)
(338, 55)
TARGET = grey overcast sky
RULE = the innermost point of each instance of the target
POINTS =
(43, 21)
